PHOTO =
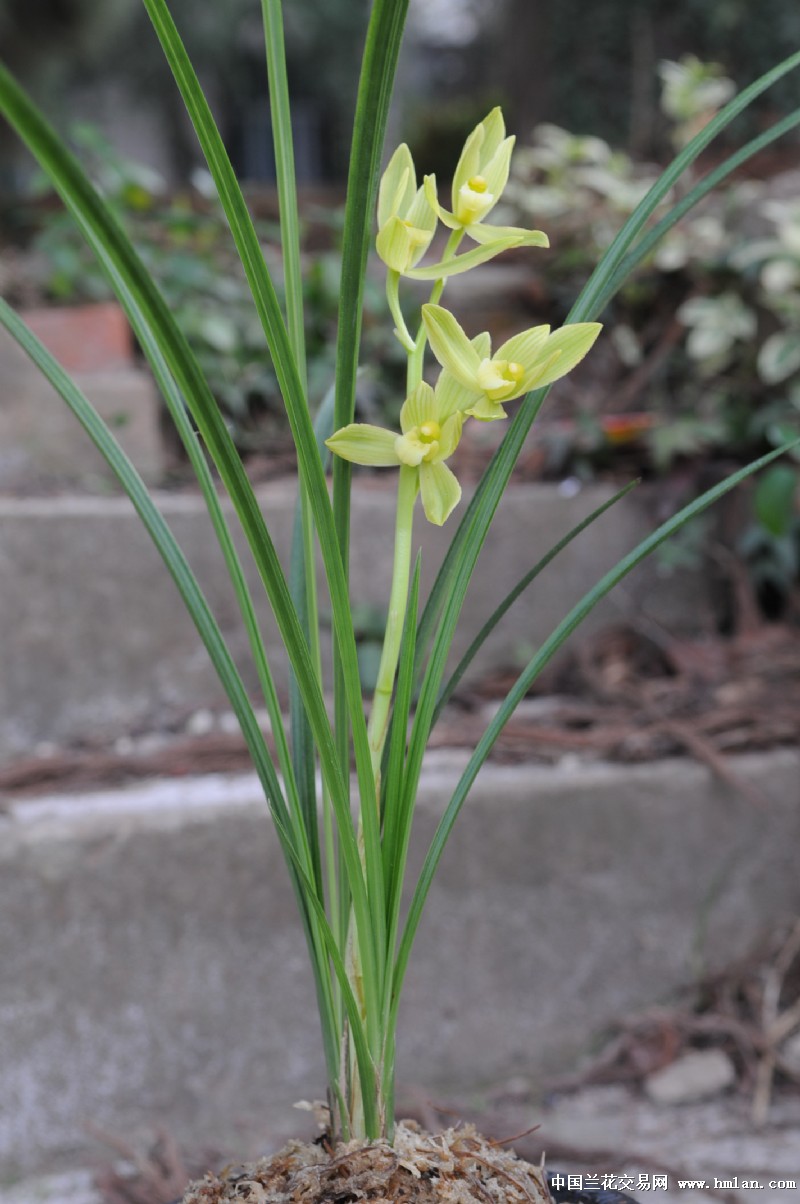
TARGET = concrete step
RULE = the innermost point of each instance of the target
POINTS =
(41, 444)
(154, 972)
(94, 640)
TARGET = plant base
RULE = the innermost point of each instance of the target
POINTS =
(457, 1166)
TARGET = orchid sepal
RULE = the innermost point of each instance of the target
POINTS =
(361, 443)
(456, 264)
(529, 360)
(406, 218)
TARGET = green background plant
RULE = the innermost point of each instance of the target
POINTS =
(729, 271)
(183, 240)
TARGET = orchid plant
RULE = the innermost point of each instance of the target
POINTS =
(346, 842)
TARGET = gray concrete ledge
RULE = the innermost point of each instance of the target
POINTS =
(94, 640)
(154, 971)
(41, 444)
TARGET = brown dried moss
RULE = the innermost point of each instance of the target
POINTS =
(457, 1166)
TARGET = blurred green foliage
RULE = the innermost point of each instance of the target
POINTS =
(185, 243)
(59, 44)
(770, 544)
(592, 67)
(725, 282)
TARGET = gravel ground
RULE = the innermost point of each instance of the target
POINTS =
(701, 1141)
(606, 1131)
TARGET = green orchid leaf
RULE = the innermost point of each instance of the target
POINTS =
(542, 657)
(313, 482)
(280, 115)
(498, 613)
(378, 69)
(347, 865)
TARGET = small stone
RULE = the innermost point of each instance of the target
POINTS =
(698, 1075)
(263, 719)
(228, 723)
(200, 723)
(153, 742)
(790, 1052)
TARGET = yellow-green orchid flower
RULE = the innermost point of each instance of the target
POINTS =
(478, 383)
(406, 218)
(429, 435)
(480, 177)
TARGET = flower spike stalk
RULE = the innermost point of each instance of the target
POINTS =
(348, 871)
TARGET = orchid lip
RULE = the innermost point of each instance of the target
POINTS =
(498, 378)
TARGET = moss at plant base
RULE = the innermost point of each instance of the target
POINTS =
(457, 1166)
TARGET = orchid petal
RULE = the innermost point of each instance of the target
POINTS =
(469, 161)
(418, 407)
(525, 348)
(495, 169)
(450, 436)
(445, 217)
(482, 344)
(494, 131)
(452, 396)
(398, 184)
(482, 168)
(394, 244)
(401, 244)
(409, 451)
(487, 411)
(440, 491)
(421, 213)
